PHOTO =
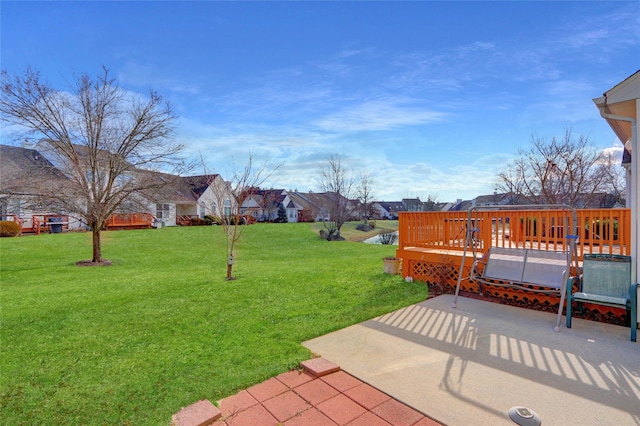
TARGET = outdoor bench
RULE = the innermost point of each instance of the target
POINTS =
(606, 280)
(533, 270)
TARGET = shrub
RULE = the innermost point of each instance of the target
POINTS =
(282, 215)
(213, 219)
(246, 219)
(196, 221)
(388, 238)
(9, 228)
(331, 235)
(364, 227)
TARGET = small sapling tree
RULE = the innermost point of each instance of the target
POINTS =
(229, 197)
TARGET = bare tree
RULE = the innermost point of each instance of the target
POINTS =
(364, 193)
(613, 176)
(230, 195)
(337, 183)
(268, 200)
(431, 203)
(101, 138)
(556, 171)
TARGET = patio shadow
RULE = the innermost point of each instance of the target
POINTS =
(471, 364)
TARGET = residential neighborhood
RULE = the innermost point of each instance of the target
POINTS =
(181, 199)
(276, 213)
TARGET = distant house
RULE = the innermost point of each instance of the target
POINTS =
(316, 206)
(312, 205)
(263, 204)
(295, 212)
(390, 209)
(387, 209)
(26, 177)
(188, 197)
(461, 205)
(307, 206)
(412, 205)
(492, 200)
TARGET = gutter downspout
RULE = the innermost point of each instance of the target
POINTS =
(635, 174)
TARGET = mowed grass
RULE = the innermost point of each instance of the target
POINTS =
(135, 342)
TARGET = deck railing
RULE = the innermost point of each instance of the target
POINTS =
(38, 223)
(129, 220)
(598, 230)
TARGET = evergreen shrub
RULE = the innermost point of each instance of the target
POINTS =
(9, 228)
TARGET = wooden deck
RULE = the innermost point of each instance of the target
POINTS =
(120, 221)
(603, 231)
(431, 244)
(40, 223)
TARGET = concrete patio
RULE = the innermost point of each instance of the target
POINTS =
(468, 366)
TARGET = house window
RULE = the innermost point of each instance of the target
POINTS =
(203, 210)
(227, 208)
(163, 211)
(3, 208)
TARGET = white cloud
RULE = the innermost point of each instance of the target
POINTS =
(151, 76)
(377, 115)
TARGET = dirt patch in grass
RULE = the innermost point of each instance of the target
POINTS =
(91, 263)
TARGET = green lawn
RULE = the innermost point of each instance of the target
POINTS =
(160, 329)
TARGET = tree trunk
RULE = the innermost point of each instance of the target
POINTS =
(97, 251)
(229, 274)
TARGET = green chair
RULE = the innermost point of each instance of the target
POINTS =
(606, 280)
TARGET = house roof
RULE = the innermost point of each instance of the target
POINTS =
(200, 183)
(391, 206)
(620, 100)
(24, 170)
(314, 201)
(300, 200)
(462, 205)
(308, 200)
(180, 189)
(486, 199)
(274, 196)
(411, 200)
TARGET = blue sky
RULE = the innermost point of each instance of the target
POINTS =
(431, 98)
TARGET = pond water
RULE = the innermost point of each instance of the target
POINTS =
(376, 240)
